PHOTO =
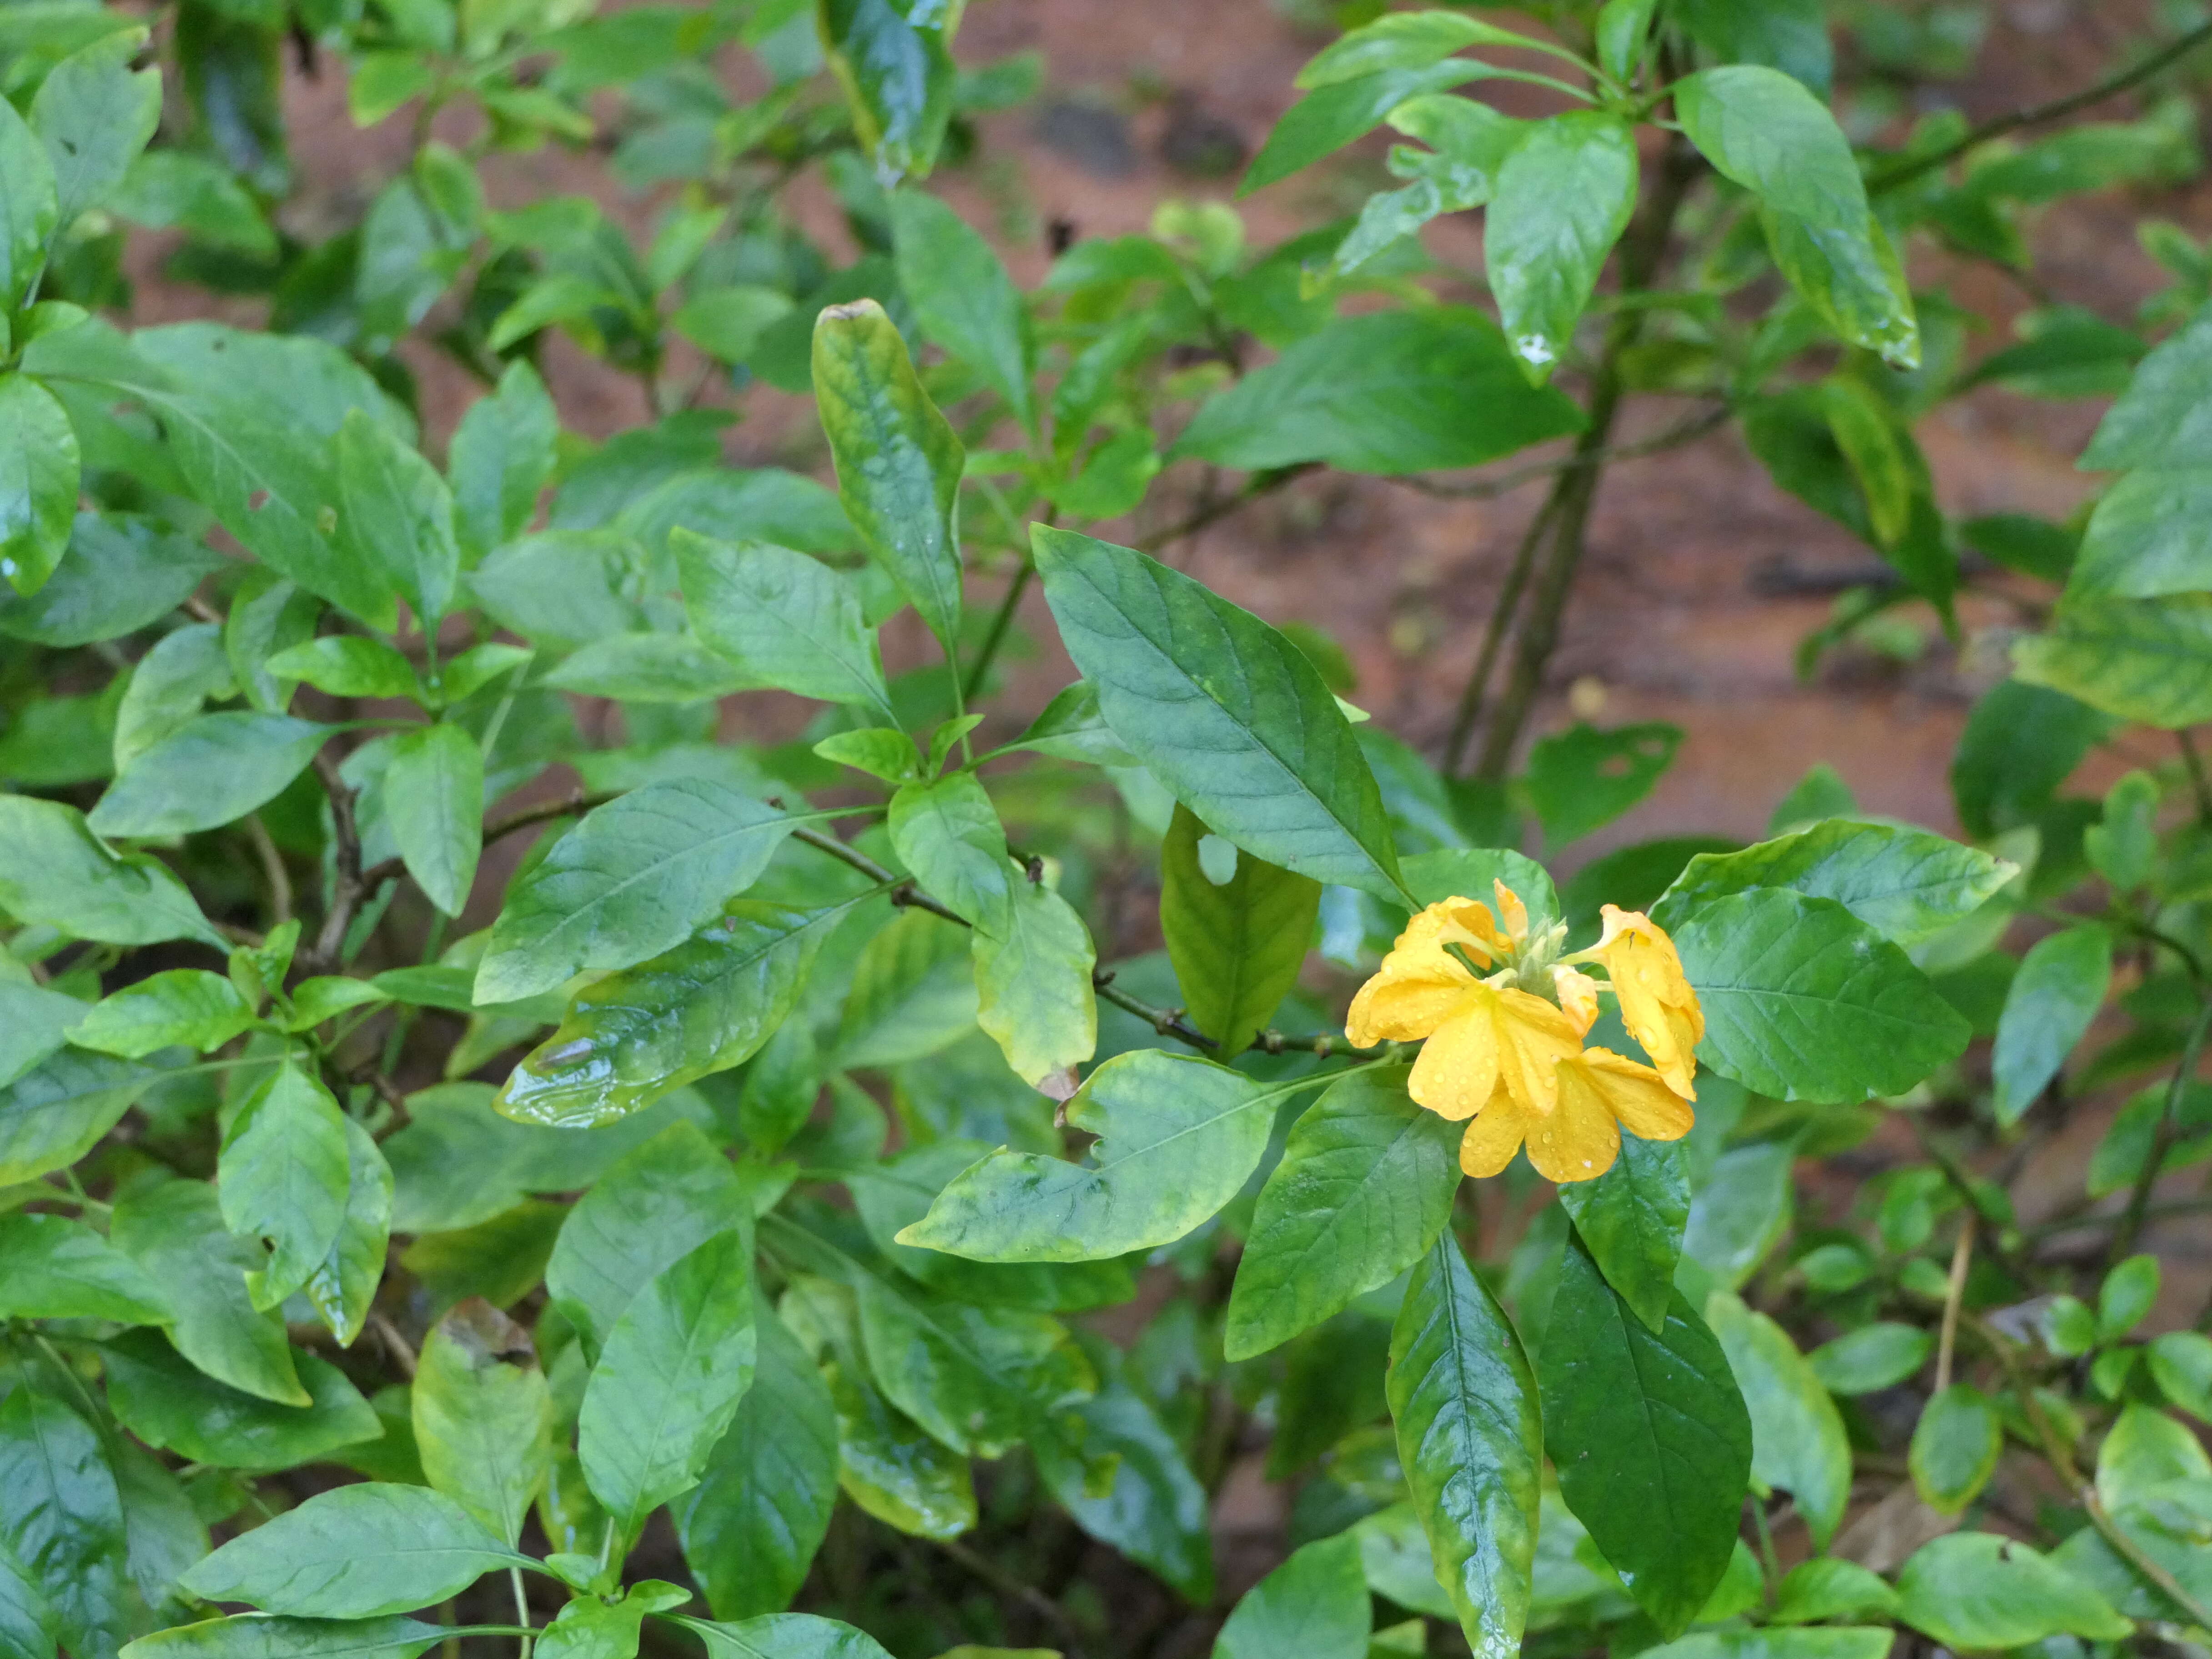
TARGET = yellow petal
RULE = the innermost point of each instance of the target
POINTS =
(1403, 1007)
(1493, 1137)
(1577, 997)
(1457, 1069)
(1510, 910)
(1647, 1107)
(1579, 1141)
(1658, 1004)
(1534, 1036)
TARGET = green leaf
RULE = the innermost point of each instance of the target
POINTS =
(210, 773)
(2180, 1363)
(2126, 1296)
(669, 1378)
(2060, 985)
(1844, 1642)
(181, 190)
(51, 1116)
(751, 1526)
(1974, 1590)
(1564, 197)
(630, 882)
(1033, 987)
(1237, 941)
(892, 1469)
(658, 1204)
(1804, 1001)
(482, 1416)
(2163, 418)
(1315, 1605)
(266, 1635)
(726, 321)
(1828, 1588)
(1632, 1220)
(54, 870)
(1178, 1138)
(898, 461)
(2142, 660)
(1797, 1439)
(360, 1552)
(704, 1006)
(341, 1288)
(120, 572)
(2020, 743)
(1742, 1209)
(2146, 538)
(29, 216)
(95, 113)
(1583, 778)
(789, 621)
(962, 297)
(284, 1175)
(433, 799)
(1762, 128)
(1651, 1438)
(502, 455)
(1470, 1440)
(182, 1006)
(1231, 716)
(1907, 884)
(881, 751)
(174, 1229)
(894, 64)
(63, 1521)
(1390, 393)
(1956, 1448)
(1406, 40)
(1153, 1510)
(160, 1397)
(33, 1021)
(913, 993)
(38, 479)
(397, 515)
(783, 1636)
(1870, 1358)
(1331, 117)
(348, 666)
(52, 1267)
(1852, 279)
(948, 835)
(1363, 1187)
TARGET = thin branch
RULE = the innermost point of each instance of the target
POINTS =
(1469, 712)
(576, 800)
(1258, 484)
(981, 1566)
(402, 1356)
(1955, 1294)
(2161, 1142)
(2144, 1562)
(1001, 621)
(1502, 483)
(272, 869)
(347, 891)
(2199, 785)
(1904, 172)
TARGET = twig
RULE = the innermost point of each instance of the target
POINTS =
(1006, 1584)
(1003, 620)
(402, 1356)
(1258, 484)
(574, 801)
(1673, 437)
(2142, 1561)
(1493, 634)
(1962, 1257)
(2151, 1212)
(2161, 1142)
(2199, 784)
(347, 891)
(1905, 171)
(272, 868)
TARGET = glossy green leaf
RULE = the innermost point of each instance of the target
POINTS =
(1564, 196)
(669, 1378)
(482, 1416)
(182, 1006)
(64, 1520)
(1390, 392)
(347, 666)
(2147, 538)
(210, 773)
(502, 455)
(1330, 116)
(892, 1469)
(1804, 1001)
(1797, 1439)
(396, 514)
(52, 1267)
(633, 880)
(962, 297)
(1870, 1358)
(1153, 1510)
(1651, 1437)
(1470, 1439)
(2142, 660)
(341, 1288)
(1955, 1447)
(95, 113)
(29, 216)
(433, 799)
(267, 1635)
(1227, 713)
(1314, 1605)
(2163, 417)
(1583, 778)
(898, 461)
(1974, 1590)
(54, 870)
(1364, 1187)
(2060, 985)
(787, 620)
(2020, 743)
(751, 1526)
(1762, 128)
(658, 1203)
(52, 1115)
(39, 480)
(1404, 41)
(284, 1175)
(704, 1006)
(360, 1552)
(1631, 1220)
(896, 66)
(174, 1229)
(1237, 944)
(1906, 883)
(1178, 1138)
(947, 834)
(784, 1636)
(159, 1396)
(1852, 279)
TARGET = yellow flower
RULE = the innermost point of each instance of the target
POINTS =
(1481, 1039)
(1598, 1092)
(1657, 1003)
